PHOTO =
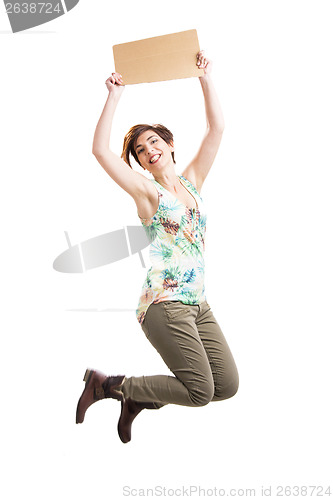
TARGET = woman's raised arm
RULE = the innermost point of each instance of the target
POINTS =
(198, 169)
(131, 181)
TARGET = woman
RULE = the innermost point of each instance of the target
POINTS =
(173, 311)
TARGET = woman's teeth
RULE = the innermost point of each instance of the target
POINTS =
(154, 158)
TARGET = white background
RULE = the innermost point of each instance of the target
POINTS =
(269, 250)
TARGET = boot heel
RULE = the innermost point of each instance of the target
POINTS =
(87, 375)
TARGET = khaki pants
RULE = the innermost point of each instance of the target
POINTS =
(194, 348)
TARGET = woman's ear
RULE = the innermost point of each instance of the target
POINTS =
(172, 146)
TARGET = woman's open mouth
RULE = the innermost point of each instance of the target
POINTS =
(154, 158)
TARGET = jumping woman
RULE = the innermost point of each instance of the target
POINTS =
(172, 310)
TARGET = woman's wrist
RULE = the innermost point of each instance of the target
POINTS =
(113, 97)
(206, 80)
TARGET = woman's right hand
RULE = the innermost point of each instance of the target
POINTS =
(114, 84)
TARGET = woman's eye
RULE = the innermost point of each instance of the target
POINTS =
(154, 140)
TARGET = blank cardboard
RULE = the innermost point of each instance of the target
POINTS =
(166, 57)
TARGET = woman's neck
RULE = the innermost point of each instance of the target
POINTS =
(169, 180)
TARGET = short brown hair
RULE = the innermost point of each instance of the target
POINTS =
(133, 134)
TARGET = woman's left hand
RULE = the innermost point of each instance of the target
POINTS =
(203, 62)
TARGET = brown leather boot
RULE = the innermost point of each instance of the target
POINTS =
(129, 410)
(98, 386)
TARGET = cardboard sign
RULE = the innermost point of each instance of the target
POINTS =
(166, 57)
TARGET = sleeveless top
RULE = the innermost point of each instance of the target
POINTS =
(177, 235)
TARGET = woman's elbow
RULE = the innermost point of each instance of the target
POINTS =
(216, 130)
(97, 152)
(220, 127)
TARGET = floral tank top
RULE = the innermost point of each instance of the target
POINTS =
(177, 235)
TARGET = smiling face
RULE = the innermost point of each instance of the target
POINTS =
(153, 152)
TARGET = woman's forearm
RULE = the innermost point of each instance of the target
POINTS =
(103, 129)
(214, 115)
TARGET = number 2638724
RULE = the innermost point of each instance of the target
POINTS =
(32, 8)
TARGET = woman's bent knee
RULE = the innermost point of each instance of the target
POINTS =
(228, 391)
(232, 389)
(202, 395)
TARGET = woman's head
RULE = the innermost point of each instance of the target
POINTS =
(138, 143)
